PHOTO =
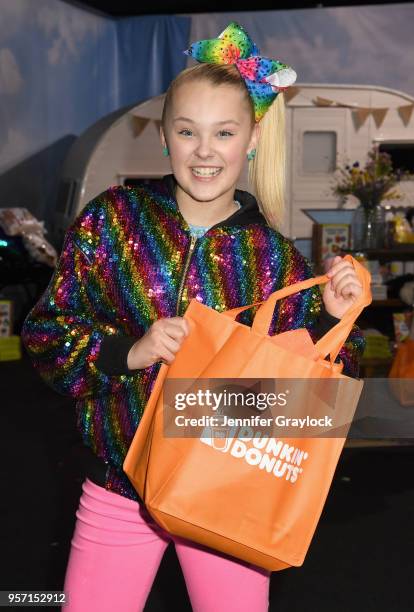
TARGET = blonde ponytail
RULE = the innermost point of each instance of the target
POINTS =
(268, 169)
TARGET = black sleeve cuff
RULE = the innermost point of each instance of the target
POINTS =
(113, 354)
(325, 322)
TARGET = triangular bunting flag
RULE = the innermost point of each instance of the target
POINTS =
(290, 93)
(405, 113)
(379, 115)
(359, 116)
(138, 125)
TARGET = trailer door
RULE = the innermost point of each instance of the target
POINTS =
(318, 137)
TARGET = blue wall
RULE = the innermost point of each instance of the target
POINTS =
(150, 54)
(61, 69)
(367, 45)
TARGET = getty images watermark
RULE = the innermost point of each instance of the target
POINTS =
(291, 408)
(266, 407)
(223, 400)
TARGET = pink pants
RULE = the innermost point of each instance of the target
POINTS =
(117, 549)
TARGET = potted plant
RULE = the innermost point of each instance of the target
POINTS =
(372, 185)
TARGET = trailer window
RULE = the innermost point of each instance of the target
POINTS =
(402, 154)
(319, 151)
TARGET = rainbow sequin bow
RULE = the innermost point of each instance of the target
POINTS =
(265, 78)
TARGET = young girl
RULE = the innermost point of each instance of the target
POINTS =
(130, 264)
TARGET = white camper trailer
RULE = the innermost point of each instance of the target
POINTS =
(326, 124)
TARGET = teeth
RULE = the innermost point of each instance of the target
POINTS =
(206, 171)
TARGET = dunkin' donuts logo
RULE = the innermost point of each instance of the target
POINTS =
(269, 454)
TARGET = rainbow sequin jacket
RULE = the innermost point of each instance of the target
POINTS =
(127, 260)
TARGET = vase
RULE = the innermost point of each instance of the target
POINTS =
(368, 227)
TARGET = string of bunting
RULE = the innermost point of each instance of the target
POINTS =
(359, 113)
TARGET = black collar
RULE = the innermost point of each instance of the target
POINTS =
(247, 214)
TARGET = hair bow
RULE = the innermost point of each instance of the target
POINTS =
(264, 78)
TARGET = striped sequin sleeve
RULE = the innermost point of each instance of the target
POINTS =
(303, 309)
(62, 333)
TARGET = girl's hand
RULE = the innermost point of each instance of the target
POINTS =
(159, 343)
(343, 288)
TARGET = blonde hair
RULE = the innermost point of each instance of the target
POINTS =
(267, 169)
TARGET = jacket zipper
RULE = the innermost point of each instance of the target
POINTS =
(186, 265)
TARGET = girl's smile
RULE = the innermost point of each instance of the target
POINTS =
(206, 173)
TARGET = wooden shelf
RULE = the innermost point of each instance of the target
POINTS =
(364, 443)
(405, 252)
(389, 303)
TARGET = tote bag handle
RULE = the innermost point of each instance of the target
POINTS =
(333, 340)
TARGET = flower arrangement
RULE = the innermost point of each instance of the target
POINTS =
(371, 184)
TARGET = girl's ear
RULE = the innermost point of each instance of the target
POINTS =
(162, 137)
(254, 139)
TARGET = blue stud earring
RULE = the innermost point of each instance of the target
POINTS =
(165, 151)
(251, 154)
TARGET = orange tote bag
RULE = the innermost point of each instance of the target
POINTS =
(216, 498)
